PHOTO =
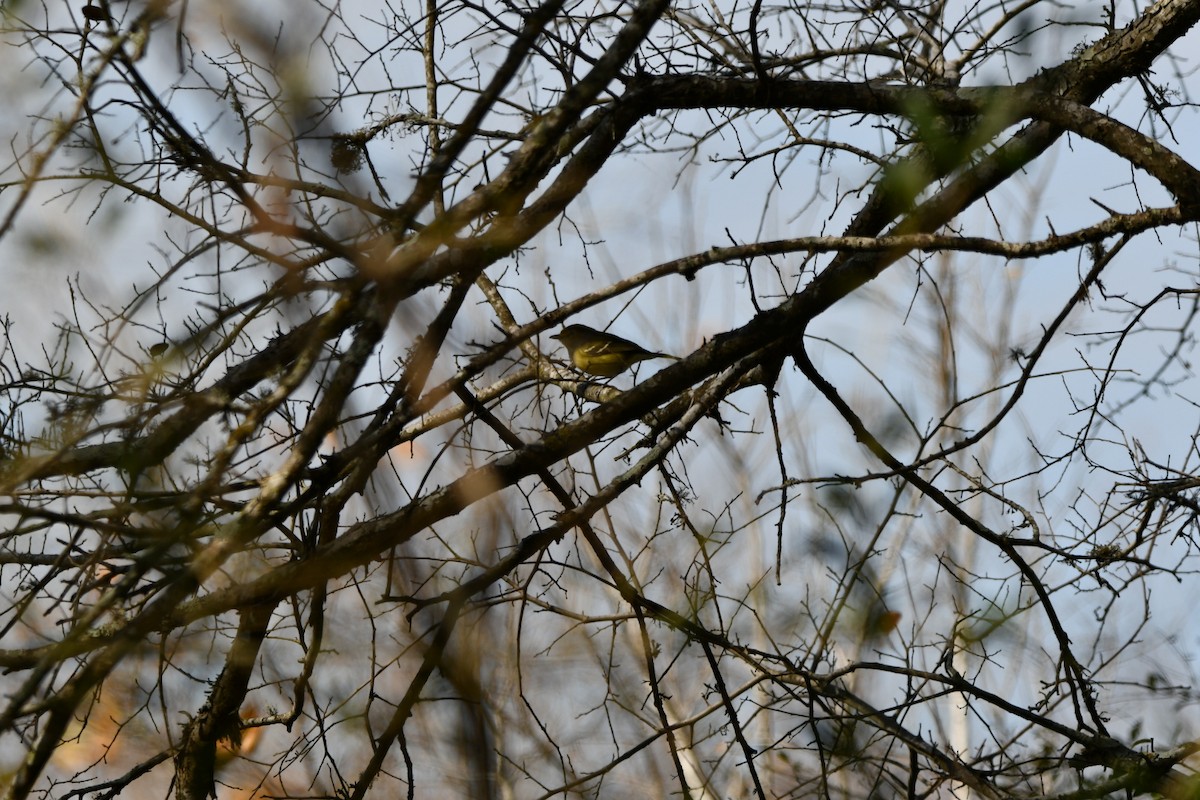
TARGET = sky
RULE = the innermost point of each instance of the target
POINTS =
(646, 208)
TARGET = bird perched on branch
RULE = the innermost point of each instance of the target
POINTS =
(599, 353)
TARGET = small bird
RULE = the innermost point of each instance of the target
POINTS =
(599, 353)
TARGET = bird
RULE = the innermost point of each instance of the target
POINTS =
(603, 354)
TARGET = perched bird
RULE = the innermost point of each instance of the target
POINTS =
(599, 353)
